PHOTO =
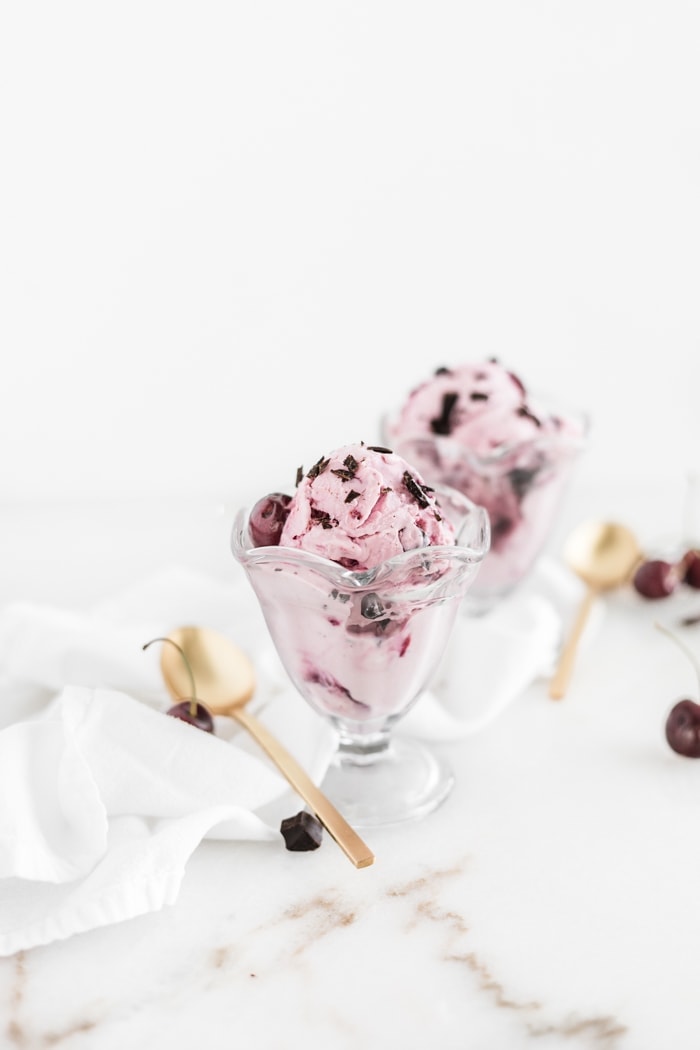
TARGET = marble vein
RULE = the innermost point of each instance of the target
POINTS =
(602, 1032)
(17, 1033)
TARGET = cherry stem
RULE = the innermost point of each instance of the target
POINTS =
(681, 645)
(193, 698)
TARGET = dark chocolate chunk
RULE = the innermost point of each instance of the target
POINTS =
(442, 424)
(380, 448)
(352, 495)
(302, 832)
(416, 491)
(318, 467)
(323, 518)
(300, 475)
(371, 606)
(349, 469)
(521, 479)
(442, 371)
(478, 395)
(525, 412)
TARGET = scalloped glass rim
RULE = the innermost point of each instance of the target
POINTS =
(475, 524)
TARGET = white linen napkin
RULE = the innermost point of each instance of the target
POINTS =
(103, 798)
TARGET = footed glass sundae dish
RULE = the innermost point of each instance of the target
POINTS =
(475, 428)
(360, 575)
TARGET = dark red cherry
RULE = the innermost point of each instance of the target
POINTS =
(656, 579)
(267, 519)
(691, 568)
(195, 714)
(683, 721)
(683, 728)
(190, 710)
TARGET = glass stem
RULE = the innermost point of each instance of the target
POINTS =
(362, 749)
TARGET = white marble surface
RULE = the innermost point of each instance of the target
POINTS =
(550, 902)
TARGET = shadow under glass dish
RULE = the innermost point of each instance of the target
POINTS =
(360, 647)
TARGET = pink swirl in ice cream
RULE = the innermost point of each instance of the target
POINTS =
(476, 428)
(361, 506)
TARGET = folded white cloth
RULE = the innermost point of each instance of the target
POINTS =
(103, 799)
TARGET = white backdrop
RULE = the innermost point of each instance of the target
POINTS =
(233, 233)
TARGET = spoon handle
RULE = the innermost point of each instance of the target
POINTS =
(336, 825)
(562, 676)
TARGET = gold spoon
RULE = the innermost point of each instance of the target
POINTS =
(225, 682)
(604, 555)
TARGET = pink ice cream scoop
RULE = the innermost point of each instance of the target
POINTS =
(482, 407)
(476, 428)
(361, 506)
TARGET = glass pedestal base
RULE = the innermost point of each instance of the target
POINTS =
(402, 782)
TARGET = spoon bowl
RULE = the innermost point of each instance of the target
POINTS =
(223, 673)
(604, 555)
(225, 681)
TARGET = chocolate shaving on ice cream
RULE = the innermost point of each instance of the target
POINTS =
(442, 424)
(318, 468)
(418, 493)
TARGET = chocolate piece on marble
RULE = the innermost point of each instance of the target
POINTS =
(302, 832)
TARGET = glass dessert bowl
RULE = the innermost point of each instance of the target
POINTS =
(361, 646)
(476, 429)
